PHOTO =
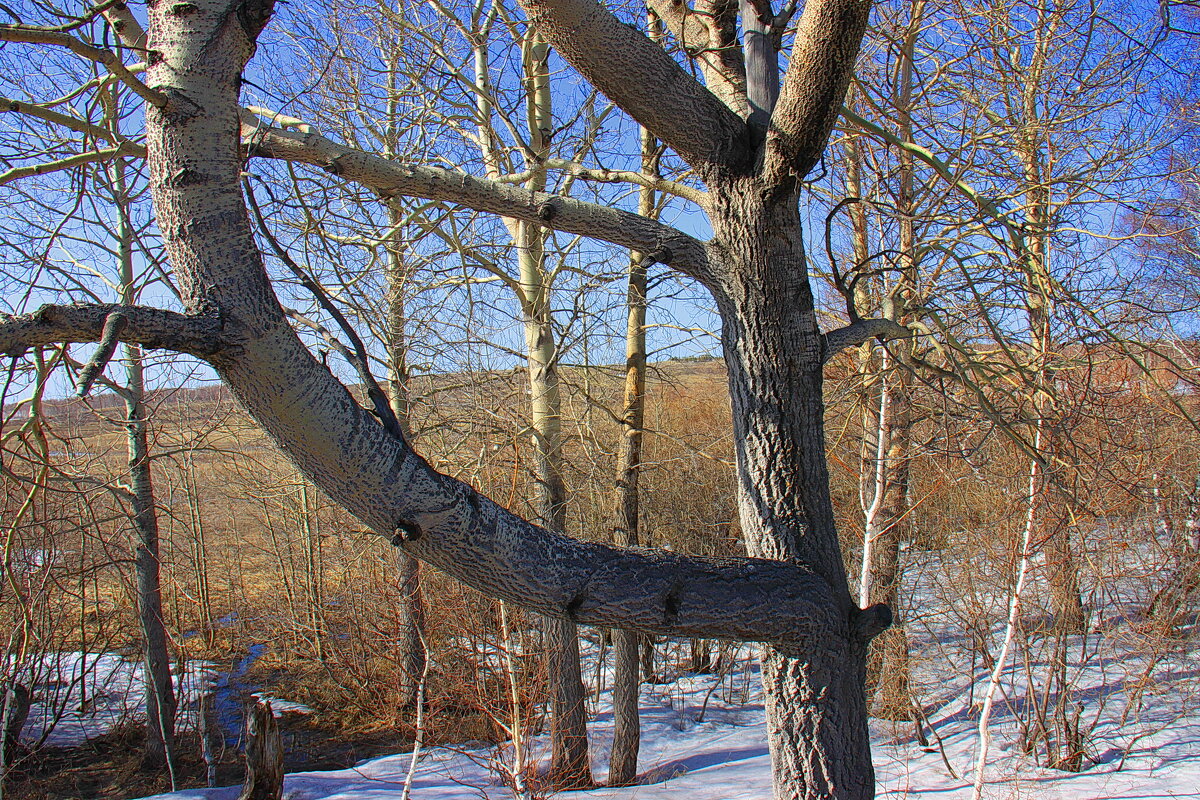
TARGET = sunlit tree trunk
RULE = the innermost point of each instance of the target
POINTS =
(627, 644)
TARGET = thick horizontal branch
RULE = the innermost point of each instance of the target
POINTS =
(858, 332)
(820, 66)
(393, 179)
(644, 81)
(149, 327)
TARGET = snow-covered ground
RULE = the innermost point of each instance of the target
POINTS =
(1153, 754)
(79, 696)
(1137, 696)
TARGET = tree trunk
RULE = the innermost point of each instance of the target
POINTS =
(816, 706)
(160, 690)
(622, 768)
(212, 742)
(1040, 297)
(16, 703)
(773, 348)
(411, 652)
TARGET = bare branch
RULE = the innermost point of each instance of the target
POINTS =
(821, 63)
(114, 324)
(391, 179)
(859, 331)
(9, 106)
(29, 35)
(45, 168)
(643, 79)
(154, 328)
(359, 358)
(605, 175)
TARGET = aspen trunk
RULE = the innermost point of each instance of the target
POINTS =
(774, 352)
(816, 706)
(626, 644)
(411, 653)
(160, 690)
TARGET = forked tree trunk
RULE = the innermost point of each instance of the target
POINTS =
(813, 671)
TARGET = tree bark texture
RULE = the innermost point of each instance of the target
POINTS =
(143, 515)
(411, 654)
(16, 704)
(816, 707)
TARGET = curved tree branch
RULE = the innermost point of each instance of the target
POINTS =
(821, 63)
(31, 35)
(645, 81)
(195, 165)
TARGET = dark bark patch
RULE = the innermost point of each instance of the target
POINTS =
(671, 604)
(575, 604)
(547, 211)
(406, 532)
(184, 9)
(869, 622)
(185, 177)
(253, 16)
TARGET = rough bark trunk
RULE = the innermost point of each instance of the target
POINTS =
(264, 755)
(411, 655)
(816, 706)
(773, 348)
(1063, 571)
(16, 704)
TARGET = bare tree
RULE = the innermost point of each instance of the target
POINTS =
(793, 593)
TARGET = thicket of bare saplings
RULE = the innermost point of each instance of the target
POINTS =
(951, 281)
(236, 576)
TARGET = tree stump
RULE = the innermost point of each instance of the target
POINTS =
(16, 705)
(264, 755)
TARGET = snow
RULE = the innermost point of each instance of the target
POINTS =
(1154, 754)
(704, 737)
(80, 696)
